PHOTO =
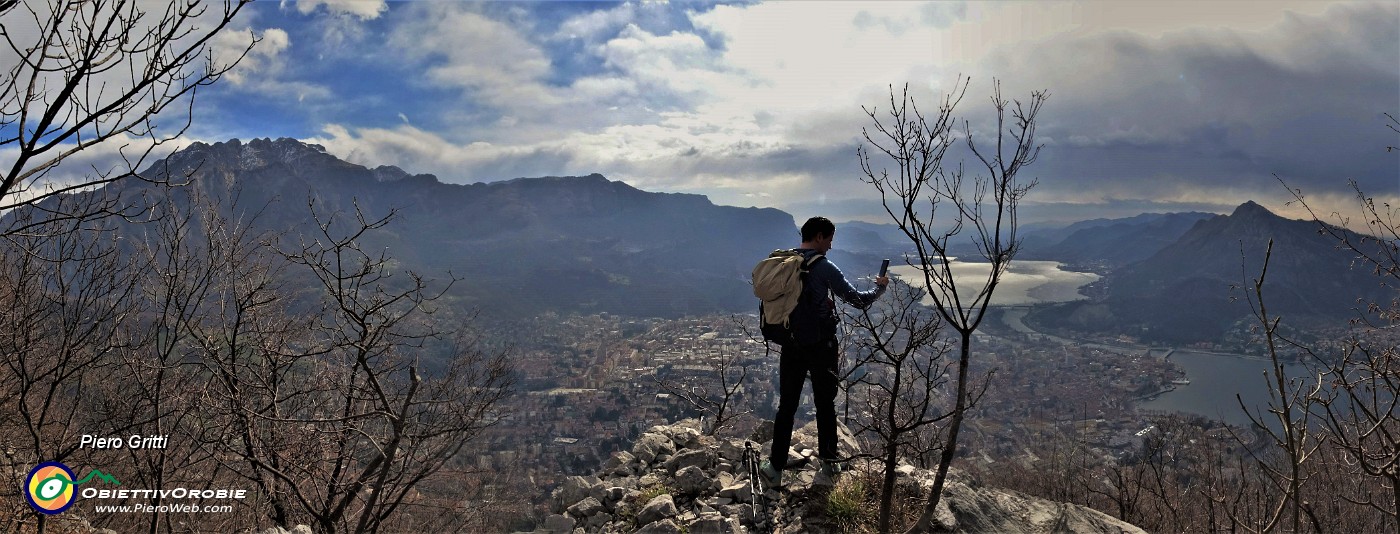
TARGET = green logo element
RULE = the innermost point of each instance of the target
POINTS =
(99, 474)
(58, 483)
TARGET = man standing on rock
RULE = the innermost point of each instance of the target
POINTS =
(819, 358)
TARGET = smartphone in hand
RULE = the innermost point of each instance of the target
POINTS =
(884, 267)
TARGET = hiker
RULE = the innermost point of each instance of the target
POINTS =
(819, 359)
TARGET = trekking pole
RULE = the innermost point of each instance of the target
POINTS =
(751, 462)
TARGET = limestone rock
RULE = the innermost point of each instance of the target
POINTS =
(996, 510)
(690, 457)
(660, 507)
(710, 491)
(723, 479)
(651, 445)
(682, 435)
(904, 470)
(732, 490)
(732, 451)
(573, 490)
(585, 508)
(596, 522)
(664, 526)
(557, 524)
(692, 481)
(650, 479)
(620, 464)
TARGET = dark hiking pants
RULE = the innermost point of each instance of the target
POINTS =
(820, 362)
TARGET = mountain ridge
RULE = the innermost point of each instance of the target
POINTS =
(1199, 287)
(520, 246)
(1106, 244)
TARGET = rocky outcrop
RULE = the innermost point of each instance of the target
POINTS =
(674, 479)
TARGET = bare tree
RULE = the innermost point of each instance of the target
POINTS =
(80, 73)
(1394, 125)
(68, 309)
(344, 421)
(919, 194)
(1359, 390)
(190, 255)
(1290, 401)
(1358, 409)
(905, 369)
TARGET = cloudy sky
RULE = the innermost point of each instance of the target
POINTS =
(1155, 106)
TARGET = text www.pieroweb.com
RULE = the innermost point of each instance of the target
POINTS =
(164, 508)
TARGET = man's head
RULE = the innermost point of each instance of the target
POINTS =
(817, 233)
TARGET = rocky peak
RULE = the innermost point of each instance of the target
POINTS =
(235, 155)
(263, 152)
(675, 479)
(389, 173)
(1251, 210)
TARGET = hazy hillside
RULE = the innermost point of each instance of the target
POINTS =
(520, 246)
(1111, 243)
(1184, 292)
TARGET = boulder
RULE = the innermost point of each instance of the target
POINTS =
(596, 522)
(586, 507)
(904, 470)
(620, 464)
(733, 489)
(651, 445)
(649, 480)
(657, 509)
(664, 526)
(559, 524)
(723, 480)
(573, 490)
(693, 481)
(732, 450)
(683, 436)
(613, 496)
(980, 509)
(690, 457)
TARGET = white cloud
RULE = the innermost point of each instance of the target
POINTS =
(470, 51)
(678, 63)
(361, 9)
(263, 56)
(263, 69)
(597, 24)
(763, 101)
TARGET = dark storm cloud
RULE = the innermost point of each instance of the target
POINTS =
(1191, 112)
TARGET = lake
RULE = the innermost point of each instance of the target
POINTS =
(1215, 379)
(1025, 282)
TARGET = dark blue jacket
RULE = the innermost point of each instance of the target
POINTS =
(826, 279)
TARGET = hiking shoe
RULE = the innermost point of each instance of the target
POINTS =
(832, 467)
(771, 477)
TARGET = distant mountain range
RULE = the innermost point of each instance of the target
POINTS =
(1183, 292)
(1099, 244)
(1105, 244)
(587, 244)
(520, 247)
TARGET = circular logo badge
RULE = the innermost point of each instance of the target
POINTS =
(50, 487)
